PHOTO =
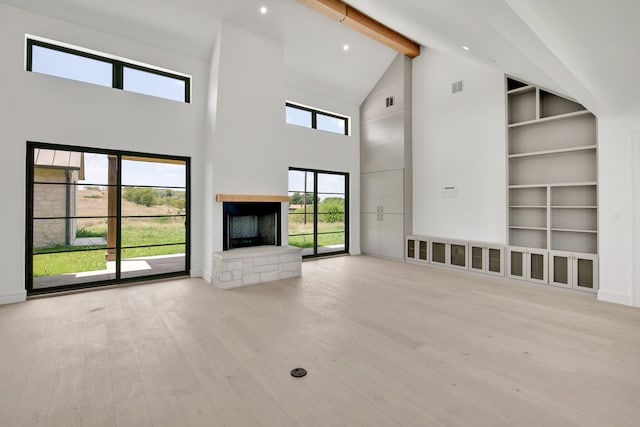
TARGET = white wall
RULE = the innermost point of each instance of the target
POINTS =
(249, 146)
(42, 108)
(619, 204)
(313, 149)
(245, 151)
(458, 141)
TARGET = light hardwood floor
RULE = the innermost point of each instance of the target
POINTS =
(385, 343)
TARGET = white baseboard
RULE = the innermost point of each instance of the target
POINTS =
(207, 276)
(614, 297)
(195, 273)
(13, 298)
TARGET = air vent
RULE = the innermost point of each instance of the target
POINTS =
(389, 101)
(456, 87)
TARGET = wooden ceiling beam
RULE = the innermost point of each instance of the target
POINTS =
(353, 18)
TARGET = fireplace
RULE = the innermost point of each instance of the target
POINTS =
(248, 224)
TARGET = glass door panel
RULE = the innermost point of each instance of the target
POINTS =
(585, 276)
(69, 216)
(423, 251)
(318, 214)
(301, 208)
(536, 266)
(411, 248)
(458, 255)
(477, 258)
(79, 215)
(561, 270)
(438, 253)
(331, 225)
(495, 260)
(516, 263)
(153, 216)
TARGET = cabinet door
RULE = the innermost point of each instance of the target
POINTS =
(423, 250)
(517, 263)
(411, 248)
(537, 266)
(369, 192)
(458, 255)
(370, 233)
(477, 257)
(391, 229)
(585, 272)
(391, 184)
(561, 268)
(494, 260)
(438, 253)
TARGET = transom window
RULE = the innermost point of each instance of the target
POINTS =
(311, 118)
(105, 70)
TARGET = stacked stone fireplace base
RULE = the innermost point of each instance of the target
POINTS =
(248, 266)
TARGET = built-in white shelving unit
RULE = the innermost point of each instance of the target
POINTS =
(552, 198)
(552, 177)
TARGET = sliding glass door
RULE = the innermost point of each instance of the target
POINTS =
(99, 217)
(318, 211)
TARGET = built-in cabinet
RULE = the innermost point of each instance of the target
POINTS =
(486, 258)
(385, 163)
(527, 264)
(552, 181)
(552, 198)
(417, 249)
(458, 254)
(573, 270)
(449, 253)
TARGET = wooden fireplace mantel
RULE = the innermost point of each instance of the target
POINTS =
(250, 198)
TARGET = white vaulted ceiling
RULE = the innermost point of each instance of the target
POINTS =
(586, 49)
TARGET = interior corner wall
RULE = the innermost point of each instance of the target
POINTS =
(38, 107)
(459, 140)
(246, 152)
(619, 209)
(313, 149)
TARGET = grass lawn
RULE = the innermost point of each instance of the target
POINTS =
(336, 236)
(135, 232)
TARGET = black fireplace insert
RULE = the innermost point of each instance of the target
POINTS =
(249, 224)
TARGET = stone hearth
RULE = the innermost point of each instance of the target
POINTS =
(248, 266)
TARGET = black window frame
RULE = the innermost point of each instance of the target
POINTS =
(29, 219)
(315, 193)
(314, 112)
(117, 70)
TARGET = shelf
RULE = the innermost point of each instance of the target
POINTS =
(574, 207)
(517, 227)
(559, 150)
(528, 207)
(565, 184)
(549, 119)
(575, 184)
(523, 89)
(568, 230)
(529, 186)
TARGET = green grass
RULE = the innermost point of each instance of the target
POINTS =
(70, 262)
(303, 237)
(135, 232)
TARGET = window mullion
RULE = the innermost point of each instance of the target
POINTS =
(118, 75)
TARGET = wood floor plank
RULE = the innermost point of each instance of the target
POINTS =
(385, 343)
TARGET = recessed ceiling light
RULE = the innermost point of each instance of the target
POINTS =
(465, 47)
(263, 10)
(345, 47)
